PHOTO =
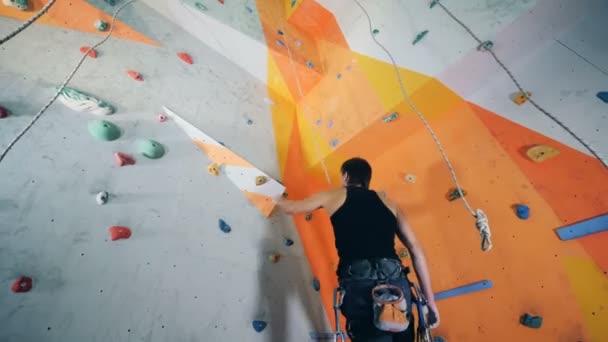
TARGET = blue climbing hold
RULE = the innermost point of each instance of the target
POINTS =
(522, 211)
(330, 123)
(318, 122)
(259, 325)
(288, 242)
(293, 3)
(280, 43)
(221, 143)
(249, 9)
(530, 321)
(603, 95)
(249, 122)
(334, 143)
(466, 289)
(316, 284)
(224, 226)
(339, 76)
(439, 339)
(309, 64)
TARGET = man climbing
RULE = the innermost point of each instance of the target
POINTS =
(364, 227)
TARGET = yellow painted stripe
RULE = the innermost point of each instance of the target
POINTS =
(590, 287)
(383, 79)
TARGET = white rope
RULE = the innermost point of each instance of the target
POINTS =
(65, 83)
(310, 121)
(25, 24)
(481, 218)
(536, 105)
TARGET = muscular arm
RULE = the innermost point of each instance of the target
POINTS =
(407, 236)
(311, 203)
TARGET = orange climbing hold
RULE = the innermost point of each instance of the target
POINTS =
(92, 53)
(119, 232)
(22, 284)
(185, 57)
(122, 159)
(135, 75)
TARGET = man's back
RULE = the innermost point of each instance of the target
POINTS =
(364, 227)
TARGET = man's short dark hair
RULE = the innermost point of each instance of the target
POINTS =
(359, 172)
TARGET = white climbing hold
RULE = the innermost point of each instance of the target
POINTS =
(82, 102)
(102, 198)
(268, 101)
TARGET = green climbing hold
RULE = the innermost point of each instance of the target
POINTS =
(376, 31)
(151, 149)
(200, 6)
(419, 36)
(101, 25)
(18, 4)
(104, 130)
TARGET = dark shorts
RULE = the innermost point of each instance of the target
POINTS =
(357, 308)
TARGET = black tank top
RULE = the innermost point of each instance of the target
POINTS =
(364, 227)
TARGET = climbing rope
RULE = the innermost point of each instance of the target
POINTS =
(29, 22)
(518, 85)
(65, 83)
(481, 219)
(310, 121)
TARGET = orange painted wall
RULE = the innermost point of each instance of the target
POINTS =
(532, 270)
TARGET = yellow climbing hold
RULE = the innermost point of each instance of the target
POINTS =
(540, 153)
(259, 180)
(410, 178)
(521, 97)
(214, 169)
(274, 258)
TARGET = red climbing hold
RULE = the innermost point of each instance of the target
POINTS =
(135, 75)
(122, 159)
(92, 53)
(3, 112)
(119, 232)
(185, 57)
(22, 284)
(221, 1)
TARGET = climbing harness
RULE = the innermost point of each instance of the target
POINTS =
(67, 80)
(25, 24)
(481, 219)
(488, 47)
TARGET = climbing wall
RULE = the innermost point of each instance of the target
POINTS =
(286, 90)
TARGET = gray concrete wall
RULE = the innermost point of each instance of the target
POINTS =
(178, 278)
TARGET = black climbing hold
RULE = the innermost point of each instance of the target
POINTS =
(259, 325)
(439, 339)
(434, 2)
(530, 321)
(454, 194)
(603, 95)
(249, 122)
(224, 226)
(376, 31)
(308, 216)
(288, 242)
(280, 32)
(316, 284)
(111, 2)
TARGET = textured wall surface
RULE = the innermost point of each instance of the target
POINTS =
(315, 86)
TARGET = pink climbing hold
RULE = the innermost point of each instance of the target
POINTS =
(92, 53)
(119, 232)
(22, 284)
(185, 57)
(122, 159)
(135, 75)
(162, 118)
(3, 112)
